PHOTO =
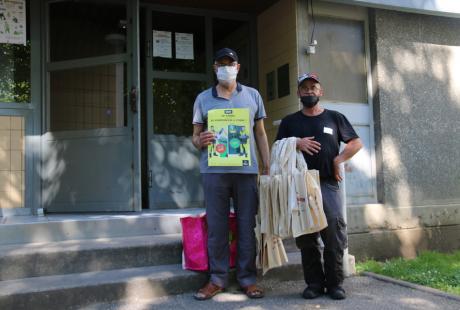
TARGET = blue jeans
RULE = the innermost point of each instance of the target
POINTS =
(218, 189)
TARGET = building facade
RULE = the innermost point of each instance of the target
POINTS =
(95, 108)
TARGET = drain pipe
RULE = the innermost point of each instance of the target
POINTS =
(348, 260)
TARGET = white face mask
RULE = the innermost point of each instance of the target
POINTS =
(227, 73)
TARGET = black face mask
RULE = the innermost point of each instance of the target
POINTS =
(309, 101)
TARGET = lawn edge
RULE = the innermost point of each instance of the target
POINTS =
(410, 285)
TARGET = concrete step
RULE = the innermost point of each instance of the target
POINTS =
(61, 227)
(77, 290)
(75, 256)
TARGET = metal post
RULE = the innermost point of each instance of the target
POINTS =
(134, 84)
(346, 265)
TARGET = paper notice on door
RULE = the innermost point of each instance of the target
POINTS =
(231, 146)
(162, 44)
(184, 45)
(13, 21)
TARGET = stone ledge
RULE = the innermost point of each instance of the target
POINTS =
(365, 218)
(383, 244)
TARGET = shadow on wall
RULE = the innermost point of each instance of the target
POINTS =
(176, 181)
(53, 167)
(418, 73)
(419, 80)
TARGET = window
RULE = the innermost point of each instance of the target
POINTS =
(173, 109)
(340, 59)
(87, 65)
(81, 29)
(15, 69)
(87, 98)
(177, 25)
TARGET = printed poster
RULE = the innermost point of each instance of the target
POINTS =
(13, 21)
(231, 146)
(184, 45)
(162, 44)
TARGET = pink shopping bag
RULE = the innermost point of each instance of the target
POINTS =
(195, 242)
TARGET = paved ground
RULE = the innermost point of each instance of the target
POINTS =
(363, 293)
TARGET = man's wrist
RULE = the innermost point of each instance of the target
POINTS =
(337, 160)
(197, 143)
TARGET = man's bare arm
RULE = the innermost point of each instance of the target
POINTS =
(351, 148)
(262, 145)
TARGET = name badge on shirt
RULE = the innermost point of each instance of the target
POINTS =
(328, 130)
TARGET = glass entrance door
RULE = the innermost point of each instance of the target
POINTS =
(88, 145)
(179, 49)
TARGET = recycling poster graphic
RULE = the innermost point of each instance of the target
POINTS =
(231, 146)
(13, 21)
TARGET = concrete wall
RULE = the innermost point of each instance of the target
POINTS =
(277, 46)
(416, 71)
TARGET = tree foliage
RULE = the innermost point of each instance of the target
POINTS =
(15, 73)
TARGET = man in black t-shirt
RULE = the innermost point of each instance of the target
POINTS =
(320, 132)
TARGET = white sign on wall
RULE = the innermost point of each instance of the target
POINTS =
(184, 45)
(162, 44)
(13, 21)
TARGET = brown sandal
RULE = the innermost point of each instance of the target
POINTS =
(208, 291)
(253, 291)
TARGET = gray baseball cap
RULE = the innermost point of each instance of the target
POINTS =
(307, 76)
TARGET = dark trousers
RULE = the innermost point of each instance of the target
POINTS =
(334, 237)
(218, 189)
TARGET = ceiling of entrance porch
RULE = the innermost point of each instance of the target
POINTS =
(249, 6)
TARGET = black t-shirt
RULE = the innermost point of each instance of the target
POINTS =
(329, 128)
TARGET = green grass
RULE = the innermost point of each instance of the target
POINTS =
(433, 269)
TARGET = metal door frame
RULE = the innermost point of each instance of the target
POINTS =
(131, 59)
(359, 14)
(31, 113)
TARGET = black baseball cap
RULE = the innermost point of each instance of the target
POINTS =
(226, 52)
(308, 76)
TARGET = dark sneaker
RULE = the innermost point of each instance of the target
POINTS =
(336, 293)
(312, 292)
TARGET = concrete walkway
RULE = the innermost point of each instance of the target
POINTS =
(363, 292)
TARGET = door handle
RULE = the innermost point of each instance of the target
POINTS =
(148, 51)
(133, 99)
(150, 180)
